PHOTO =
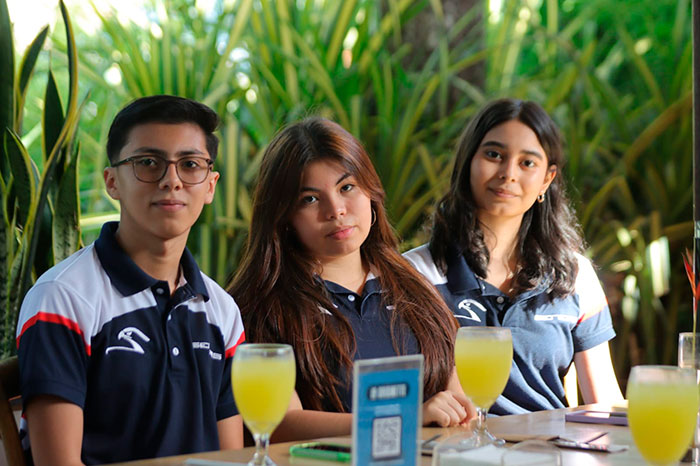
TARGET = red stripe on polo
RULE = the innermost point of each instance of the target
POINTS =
(231, 350)
(54, 319)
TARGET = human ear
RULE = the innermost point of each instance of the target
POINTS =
(211, 187)
(110, 176)
(549, 177)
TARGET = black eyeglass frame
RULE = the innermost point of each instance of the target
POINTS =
(136, 158)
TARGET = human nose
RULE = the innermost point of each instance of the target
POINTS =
(171, 178)
(335, 207)
(507, 170)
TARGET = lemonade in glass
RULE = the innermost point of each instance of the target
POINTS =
(263, 377)
(483, 356)
(663, 405)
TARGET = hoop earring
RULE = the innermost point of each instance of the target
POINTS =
(374, 217)
(540, 198)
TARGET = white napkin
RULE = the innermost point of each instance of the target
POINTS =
(491, 455)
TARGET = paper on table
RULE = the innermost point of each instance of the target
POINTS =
(201, 462)
(491, 455)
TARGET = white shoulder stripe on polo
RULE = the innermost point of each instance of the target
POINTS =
(422, 260)
(592, 298)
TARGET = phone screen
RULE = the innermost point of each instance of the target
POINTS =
(320, 450)
(329, 447)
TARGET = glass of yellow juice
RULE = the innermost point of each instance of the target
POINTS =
(263, 377)
(662, 411)
(483, 356)
(689, 356)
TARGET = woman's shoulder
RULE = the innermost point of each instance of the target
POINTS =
(422, 260)
(586, 271)
(588, 288)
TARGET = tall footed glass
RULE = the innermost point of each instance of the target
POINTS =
(263, 377)
(662, 411)
(483, 356)
(689, 357)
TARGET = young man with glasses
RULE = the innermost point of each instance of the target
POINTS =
(125, 347)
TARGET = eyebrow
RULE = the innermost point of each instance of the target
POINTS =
(162, 153)
(340, 180)
(503, 146)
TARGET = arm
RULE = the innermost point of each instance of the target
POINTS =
(447, 408)
(596, 377)
(56, 431)
(302, 424)
(230, 433)
(450, 407)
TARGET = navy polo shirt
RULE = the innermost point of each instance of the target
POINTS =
(545, 334)
(370, 319)
(151, 371)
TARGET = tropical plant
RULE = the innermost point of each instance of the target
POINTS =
(262, 64)
(615, 76)
(39, 205)
(600, 74)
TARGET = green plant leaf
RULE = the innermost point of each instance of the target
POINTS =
(24, 184)
(53, 119)
(7, 77)
(66, 221)
(26, 69)
(340, 29)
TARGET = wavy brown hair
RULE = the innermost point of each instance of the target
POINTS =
(279, 293)
(549, 233)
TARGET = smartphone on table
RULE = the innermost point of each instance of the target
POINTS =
(322, 451)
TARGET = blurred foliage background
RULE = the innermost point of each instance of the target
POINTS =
(405, 76)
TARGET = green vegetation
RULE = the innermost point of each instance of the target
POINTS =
(40, 208)
(616, 76)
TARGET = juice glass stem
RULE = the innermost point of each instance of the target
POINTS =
(480, 423)
(261, 443)
(481, 434)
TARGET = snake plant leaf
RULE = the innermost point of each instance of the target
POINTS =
(66, 221)
(30, 237)
(26, 69)
(43, 255)
(14, 301)
(23, 190)
(5, 244)
(7, 77)
(52, 119)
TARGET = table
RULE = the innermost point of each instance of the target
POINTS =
(539, 423)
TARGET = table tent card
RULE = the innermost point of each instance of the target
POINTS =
(387, 407)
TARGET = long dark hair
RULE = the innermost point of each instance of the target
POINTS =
(279, 294)
(549, 234)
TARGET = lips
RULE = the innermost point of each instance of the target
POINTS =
(341, 232)
(169, 204)
(500, 192)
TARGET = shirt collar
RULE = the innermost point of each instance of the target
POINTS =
(460, 277)
(127, 277)
(371, 286)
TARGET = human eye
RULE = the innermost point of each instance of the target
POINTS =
(307, 200)
(192, 163)
(529, 163)
(347, 187)
(492, 154)
(148, 162)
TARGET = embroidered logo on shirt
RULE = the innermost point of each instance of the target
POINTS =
(466, 305)
(559, 317)
(205, 345)
(127, 334)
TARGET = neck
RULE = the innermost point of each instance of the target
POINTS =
(348, 271)
(501, 237)
(158, 258)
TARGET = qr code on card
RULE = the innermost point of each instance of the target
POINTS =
(386, 437)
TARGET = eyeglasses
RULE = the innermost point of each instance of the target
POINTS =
(152, 169)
